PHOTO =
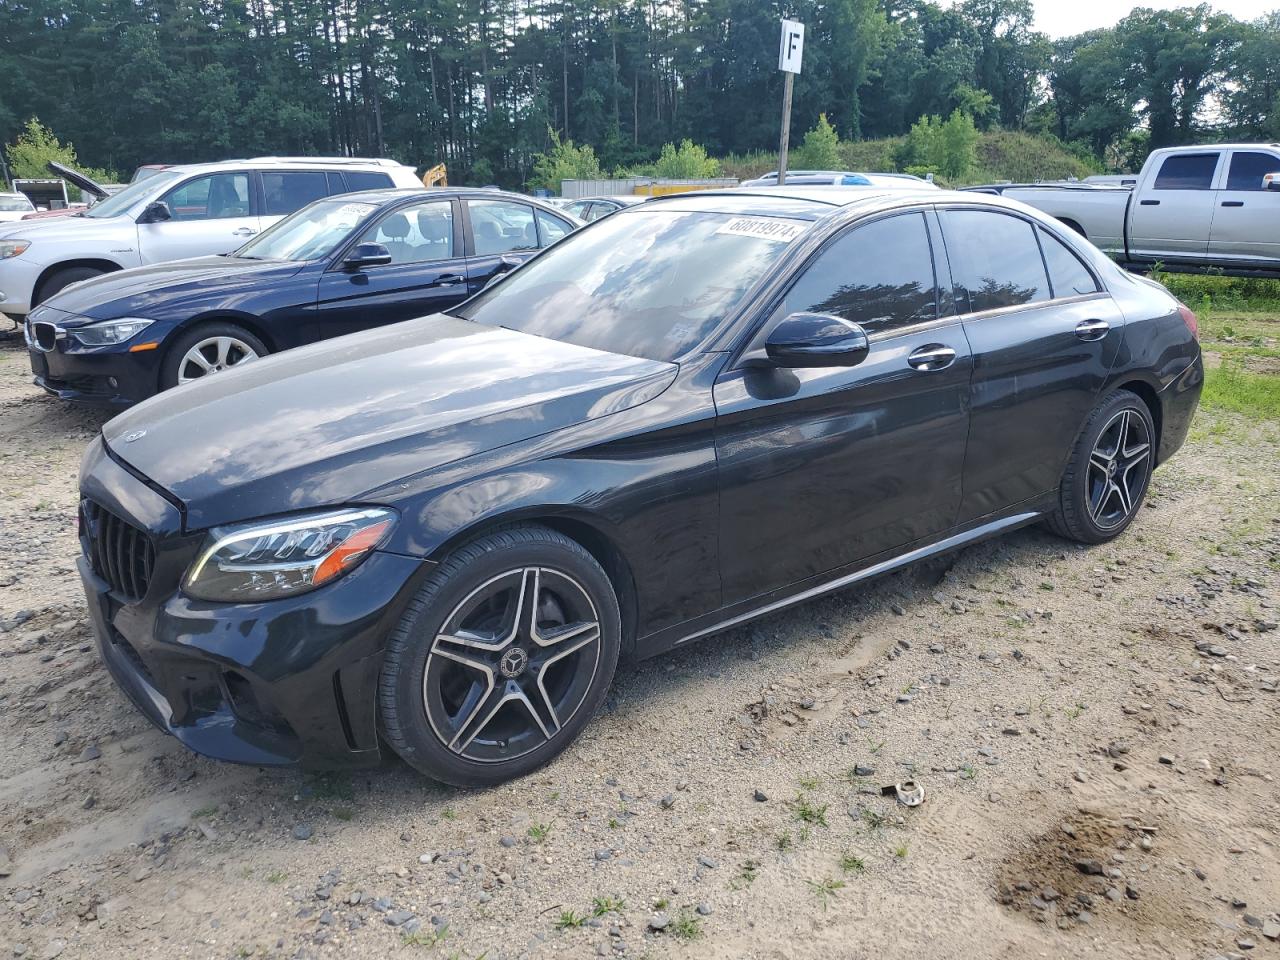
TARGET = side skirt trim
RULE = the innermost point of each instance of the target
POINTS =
(875, 570)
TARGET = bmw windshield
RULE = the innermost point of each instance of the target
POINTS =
(310, 233)
(645, 283)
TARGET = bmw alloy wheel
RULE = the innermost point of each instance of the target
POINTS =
(214, 354)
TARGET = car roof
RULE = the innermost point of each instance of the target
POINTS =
(395, 194)
(818, 203)
(289, 163)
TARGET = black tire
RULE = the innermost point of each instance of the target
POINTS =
(169, 372)
(59, 280)
(1096, 503)
(417, 679)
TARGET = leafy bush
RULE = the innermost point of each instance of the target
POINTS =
(945, 147)
(29, 157)
(820, 149)
(687, 162)
(564, 162)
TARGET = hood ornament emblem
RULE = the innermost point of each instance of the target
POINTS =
(136, 435)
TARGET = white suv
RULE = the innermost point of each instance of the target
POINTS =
(183, 211)
(14, 206)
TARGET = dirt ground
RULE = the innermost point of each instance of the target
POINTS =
(1096, 731)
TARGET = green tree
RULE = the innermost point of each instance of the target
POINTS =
(820, 149)
(564, 161)
(30, 154)
(945, 147)
(689, 161)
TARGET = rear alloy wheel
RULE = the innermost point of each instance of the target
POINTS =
(1110, 468)
(502, 659)
(208, 349)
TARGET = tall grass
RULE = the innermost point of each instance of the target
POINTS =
(1243, 294)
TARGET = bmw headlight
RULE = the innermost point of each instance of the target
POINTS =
(107, 332)
(267, 560)
(13, 248)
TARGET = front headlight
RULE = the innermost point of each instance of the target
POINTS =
(267, 560)
(12, 248)
(109, 331)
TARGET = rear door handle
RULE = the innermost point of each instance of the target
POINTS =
(932, 356)
(1233, 203)
(1149, 203)
(243, 232)
(1089, 330)
(450, 280)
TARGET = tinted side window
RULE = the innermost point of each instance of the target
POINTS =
(879, 275)
(366, 180)
(336, 183)
(995, 260)
(215, 197)
(1248, 169)
(284, 192)
(1188, 171)
(551, 228)
(500, 226)
(1068, 275)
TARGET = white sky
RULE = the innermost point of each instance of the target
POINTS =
(1060, 18)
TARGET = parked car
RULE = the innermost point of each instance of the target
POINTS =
(842, 178)
(444, 534)
(14, 206)
(180, 212)
(1195, 207)
(593, 208)
(338, 265)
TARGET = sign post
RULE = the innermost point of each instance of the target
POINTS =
(790, 51)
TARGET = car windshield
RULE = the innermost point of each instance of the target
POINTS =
(645, 283)
(14, 204)
(310, 233)
(118, 203)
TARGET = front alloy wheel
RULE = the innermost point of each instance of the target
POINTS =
(212, 355)
(502, 658)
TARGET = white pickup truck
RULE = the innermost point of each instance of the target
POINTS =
(1190, 207)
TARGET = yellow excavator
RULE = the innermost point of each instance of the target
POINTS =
(437, 176)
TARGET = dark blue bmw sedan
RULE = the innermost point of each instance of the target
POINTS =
(340, 265)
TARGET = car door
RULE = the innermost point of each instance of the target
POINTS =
(503, 233)
(1171, 219)
(824, 467)
(1246, 220)
(1043, 341)
(426, 275)
(209, 214)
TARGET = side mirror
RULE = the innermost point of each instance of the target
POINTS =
(366, 255)
(1271, 181)
(816, 340)
(156, 212)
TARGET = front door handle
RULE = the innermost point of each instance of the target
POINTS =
(243, 232)
(450, 280)
(933, 356)
(1233, 203)
(1089, 330)
(1148, 203)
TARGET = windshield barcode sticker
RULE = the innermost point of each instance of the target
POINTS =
(763, 228)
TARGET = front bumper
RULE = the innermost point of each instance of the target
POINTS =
(18, 276)
(283, 682)
(103, 376)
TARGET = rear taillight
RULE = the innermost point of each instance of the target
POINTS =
(1189, 318)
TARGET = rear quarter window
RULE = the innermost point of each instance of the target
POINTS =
(367, 180)
(1067, 274)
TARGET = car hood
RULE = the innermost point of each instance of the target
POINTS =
(71, 227)
(139, 289)
(327, 423)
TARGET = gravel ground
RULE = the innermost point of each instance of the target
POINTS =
(1096, 731)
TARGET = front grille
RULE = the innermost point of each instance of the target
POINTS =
(120, 553)
(45, 334)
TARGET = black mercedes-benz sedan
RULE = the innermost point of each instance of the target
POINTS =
(444, 535)
(338, 265)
